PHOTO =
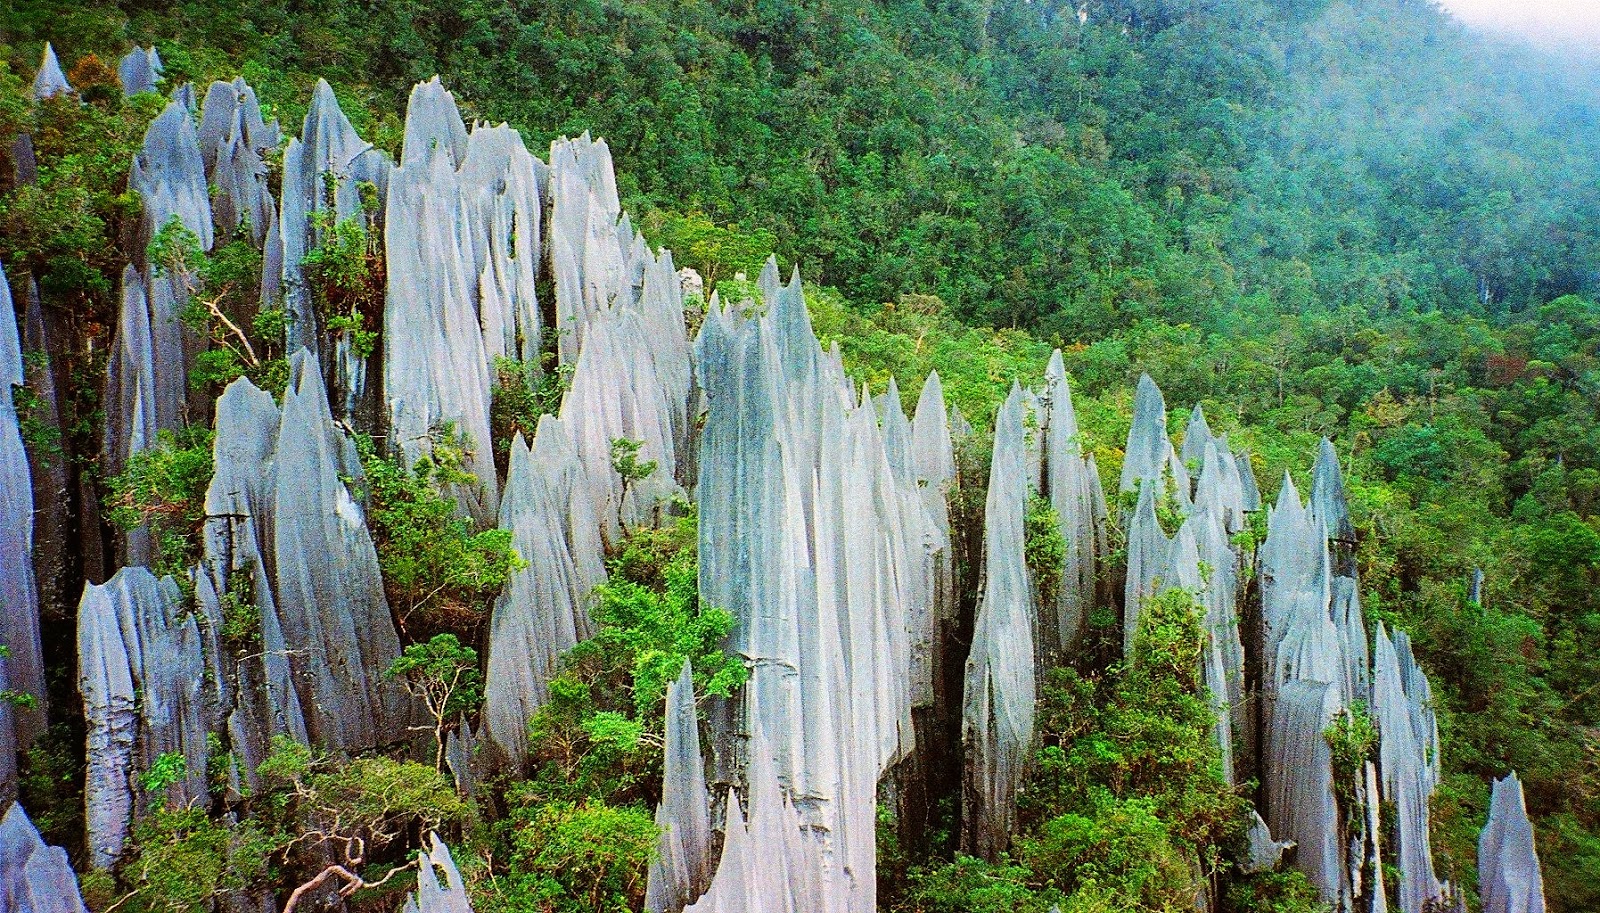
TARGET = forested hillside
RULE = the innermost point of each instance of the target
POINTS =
(1318, 218)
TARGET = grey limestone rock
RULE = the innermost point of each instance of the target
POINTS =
(49, 81)
(233, 137)
(588, 253)
(681, 869)
(328, 154)
(1509, 880)
(1264, 853)
(329, 594)
(1327, 494)
(1409, 757)
(34, 877)
(1069, 483)
(998, 700)
(147, 692)
(436, 895)
(23, 669)
(544, 610)
(139, 70)
(1299, 784)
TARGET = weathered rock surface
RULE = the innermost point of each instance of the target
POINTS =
(49, 81)
(1509, 880)
(434, 895)
(544, 610)
(1070, 485)
(139, 70)
(233, 137)
(34, 877)
(1402, 704)
(681, 869)
(23, 669)
(998, 701)
(147, 692)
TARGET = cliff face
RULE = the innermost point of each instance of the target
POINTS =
(826, 531)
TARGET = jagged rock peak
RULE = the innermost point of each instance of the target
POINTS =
(50, 81)
(1148, 445)
(1409, 758)
(34, 877)
(544, 610)
(999, 691)
(681, 869)
(147, 691)
(1327, 494)
(23, 670)
(327, 145)
(1196, 435)
(1509, 879)
(433, 126)
(329, 592)
(139, 70)
(432, 896)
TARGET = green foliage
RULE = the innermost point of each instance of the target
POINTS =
(521, 396)
(970, 885)
(1274, 892)
(438, 572)
(600, 733)
(164, 488)
(1119, 849)
(166, 771)
(1353, 739)
(182, 860)
(1044, 548)
(717, 252)
(442, 674)
(346, 274)
(580, 856)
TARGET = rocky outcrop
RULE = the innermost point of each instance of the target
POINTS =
(815, 546)
(147, 692)
(462, 236)
(681, 869)
(34, 877)
(49, 81)
(1408, 738)
(1509, 880)
(287, 540)
(233, 138)
(589, 248)
(544, 610)
(22, 669)
(1074, 491)
(998, 700)
(434, 895)
(139, 71)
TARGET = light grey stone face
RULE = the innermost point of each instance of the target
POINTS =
(139, 71)
(23, 670)
(49, 81)
(998, 698)
(681, 870)
(1509, 880)
(147, 692)
(34, 877)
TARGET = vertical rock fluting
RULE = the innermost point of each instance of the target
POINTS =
(434, 895)
(462, 236)
(544, 610)
(237, 568)
(233, 137)
(681, 869)
(49, 81)
(22, 670)
(139, 71)
(34, 877)
(1509, 880)
(998, 701)
(1402, 704)
(1071, 486)
(329, 592)
(323, 169)
(818, 553)
(588, 252)
(147, 692)
(147, 379)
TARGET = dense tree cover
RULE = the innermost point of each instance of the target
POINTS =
(1318, 217)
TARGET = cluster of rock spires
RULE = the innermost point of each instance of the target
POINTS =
(825, 530)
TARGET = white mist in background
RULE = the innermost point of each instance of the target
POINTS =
(1568, 24)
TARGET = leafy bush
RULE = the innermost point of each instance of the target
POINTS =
(582, 857)
(438, 572)
(1044, 548)
(164, 488)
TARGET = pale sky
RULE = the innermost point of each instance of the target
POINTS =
(1574, 23)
